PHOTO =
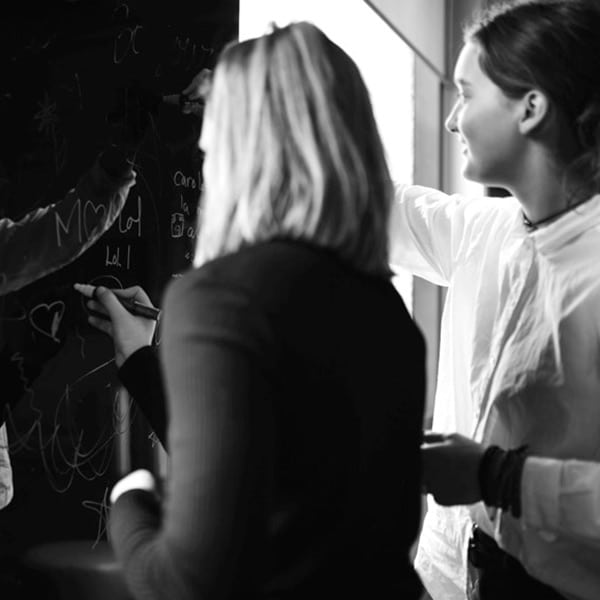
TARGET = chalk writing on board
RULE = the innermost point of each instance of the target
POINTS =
(64, 69)
(125, 44)
(127, 223)
(46, 318)
(47, 118)
(102, 510)
(114, 258)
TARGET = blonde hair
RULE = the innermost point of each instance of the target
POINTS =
(294, 151)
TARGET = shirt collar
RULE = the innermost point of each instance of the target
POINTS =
(560, 232)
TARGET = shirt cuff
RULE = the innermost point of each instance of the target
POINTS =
(540, 486)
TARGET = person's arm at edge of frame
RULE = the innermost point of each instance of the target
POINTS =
(553, 495)
(51, 237)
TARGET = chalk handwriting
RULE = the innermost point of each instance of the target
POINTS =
(113, 257)
(186, 181)
(127, 224)
(125, 44)
(66, 227)
(46, 318)
(92, 215)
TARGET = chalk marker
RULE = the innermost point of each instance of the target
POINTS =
(133, 306)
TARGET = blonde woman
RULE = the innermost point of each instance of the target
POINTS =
(294, 375)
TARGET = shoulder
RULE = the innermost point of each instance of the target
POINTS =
(260, 268)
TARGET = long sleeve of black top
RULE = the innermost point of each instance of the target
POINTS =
(142, 377)
(217, 445)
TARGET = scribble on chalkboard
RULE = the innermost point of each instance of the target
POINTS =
(101, 509)
(125, 44)
(46, 318)
(124, 7)
(47, 117)
(81, 341)
(65, 453)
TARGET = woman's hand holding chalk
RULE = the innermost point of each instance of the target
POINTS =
(120, 314)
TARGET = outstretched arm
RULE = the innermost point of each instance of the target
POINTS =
(49, 238)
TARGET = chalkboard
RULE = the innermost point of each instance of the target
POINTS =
(63, 65)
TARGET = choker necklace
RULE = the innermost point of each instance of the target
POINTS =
(531, 226)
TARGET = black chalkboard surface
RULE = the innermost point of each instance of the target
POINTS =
(64, 65)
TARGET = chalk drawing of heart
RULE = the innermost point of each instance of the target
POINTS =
(92, 211)
(46, 318)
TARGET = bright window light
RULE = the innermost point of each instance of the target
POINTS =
(385, 62)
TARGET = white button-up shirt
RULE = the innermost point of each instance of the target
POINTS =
(519, 362)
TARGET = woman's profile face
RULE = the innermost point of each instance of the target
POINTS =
(486, 121)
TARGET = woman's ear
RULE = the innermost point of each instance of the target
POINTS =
(535, 108)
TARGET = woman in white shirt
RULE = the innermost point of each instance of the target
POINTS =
(520, 345)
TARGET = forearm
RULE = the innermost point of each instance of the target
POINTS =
(51, 237)
(142, 377)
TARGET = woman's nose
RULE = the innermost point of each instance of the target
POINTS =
(450, 123)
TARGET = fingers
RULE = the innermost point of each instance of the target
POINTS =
(199, 86)
(135, 293)
(101, 298)
(107, 299)
(101, 324)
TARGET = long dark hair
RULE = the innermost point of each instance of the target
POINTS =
(553, 46)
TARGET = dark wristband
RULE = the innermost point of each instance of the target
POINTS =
(500, 474)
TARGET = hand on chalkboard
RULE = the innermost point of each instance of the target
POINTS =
(129, 332)
(197, 91)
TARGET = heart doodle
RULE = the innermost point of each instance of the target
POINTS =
(46, 318)
(93, 210)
